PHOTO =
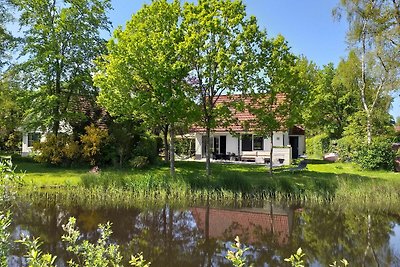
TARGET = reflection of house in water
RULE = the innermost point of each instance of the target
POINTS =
(251, 225)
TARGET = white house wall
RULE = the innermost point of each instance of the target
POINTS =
(26, 150)
(281, 148)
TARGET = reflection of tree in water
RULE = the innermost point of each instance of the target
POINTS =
(167, 237)
(327, 233)
(189, 237)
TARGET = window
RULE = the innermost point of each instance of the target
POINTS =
(258, 143)
(33, 137)
(247, 142)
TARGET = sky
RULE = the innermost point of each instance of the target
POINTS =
(307, 25)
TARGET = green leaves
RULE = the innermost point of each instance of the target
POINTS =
(62, 38)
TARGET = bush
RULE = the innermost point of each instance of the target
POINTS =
(377, 155)
(346, 147)
(57, 150)
(139, 162)
(147, 147)
(93, 142)
(318, 145)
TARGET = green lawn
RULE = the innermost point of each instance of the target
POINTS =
(45, 175)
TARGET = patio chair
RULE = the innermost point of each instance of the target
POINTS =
(302, 165)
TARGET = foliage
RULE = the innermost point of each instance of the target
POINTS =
(329, 103)
(139, 162)
(102, 253)
(378, 155)
(296, 260)
(317, 146)
(147, 147)
(5, 222)
(237, 258)
(12, 105)
(57, 150)
(374, 38)
(342, 262)
(61, 40)
(139, 261)
(35, 256)
(185, 147)
(236, 255)
(93, 142)
(219, 46)
(143, 74)
(123, 137)
(7, 41)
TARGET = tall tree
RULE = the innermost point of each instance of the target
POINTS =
(375, 37)
(218, 44)
(276, 97)
(62, 38)
(143, 74)
(331, 101)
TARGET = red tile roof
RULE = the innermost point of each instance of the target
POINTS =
(250, 226)
(238, 116)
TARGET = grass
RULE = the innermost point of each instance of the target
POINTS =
(322, 181)
(255, 175)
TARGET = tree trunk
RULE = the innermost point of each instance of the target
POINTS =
(172, 150)
(208, 152)
(56, 107)
(166, 144)
(271, 151)
(369, 129)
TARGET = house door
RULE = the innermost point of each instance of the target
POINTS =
(222, 145)
(294, 143)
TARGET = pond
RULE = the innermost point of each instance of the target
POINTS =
(201, 235)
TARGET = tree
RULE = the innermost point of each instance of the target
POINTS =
(62, 38)
(12, 105)
(374, 35)
(218, 45)
(143, 74)
(7, 41)
(331, 102)
(276, 95)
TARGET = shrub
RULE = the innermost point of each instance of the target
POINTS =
(346, 148)
(377, 155)
(57, 150)
(139, 162)
(147, 147)
(317, 146)
(102, 253)
(92, 143)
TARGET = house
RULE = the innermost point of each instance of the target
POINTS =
(235, 142)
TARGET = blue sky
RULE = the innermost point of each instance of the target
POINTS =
(307, 25)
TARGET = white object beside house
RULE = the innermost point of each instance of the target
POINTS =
(288, 144)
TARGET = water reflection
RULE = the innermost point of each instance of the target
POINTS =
(201, 235)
